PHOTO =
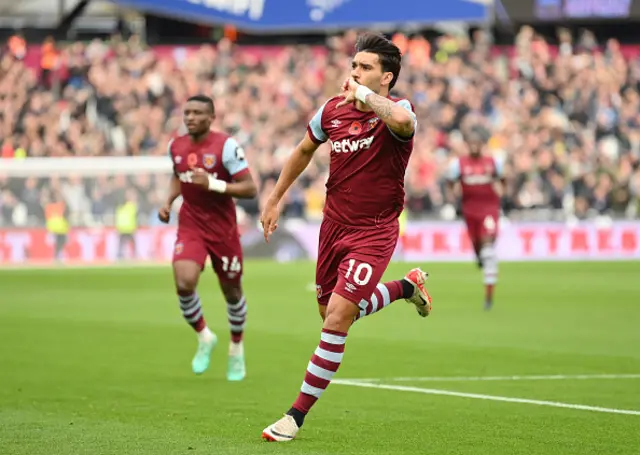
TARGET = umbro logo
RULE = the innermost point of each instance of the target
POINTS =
(336, 123)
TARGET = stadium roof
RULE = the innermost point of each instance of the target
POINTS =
(47, 13)
(296, 15)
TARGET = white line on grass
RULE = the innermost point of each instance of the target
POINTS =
(550, 377)
(477, 396)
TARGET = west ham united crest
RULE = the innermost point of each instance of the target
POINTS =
(179, 248)
(209, 161)
(318, 291)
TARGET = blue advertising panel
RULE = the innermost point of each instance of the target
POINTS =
(281, 15)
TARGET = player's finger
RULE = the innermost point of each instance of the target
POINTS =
(266, 231)
(273, 225)
(270, 232)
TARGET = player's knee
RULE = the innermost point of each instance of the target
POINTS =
(322, 309)
(488, 240)
(337, 322)
(186, 285)
(339, 315)
(232, 293)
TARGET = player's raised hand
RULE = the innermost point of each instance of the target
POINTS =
(269, 218)
(200, 177)
(164, 214)
(348, 92)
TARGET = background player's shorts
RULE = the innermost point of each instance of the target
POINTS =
(351, 261)
(482, 226)
(226, 256)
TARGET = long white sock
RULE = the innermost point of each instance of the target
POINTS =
(236, 348)
(489, 264)
(205, 335)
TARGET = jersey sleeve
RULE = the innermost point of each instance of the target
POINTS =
(407, 105)
(315, 130)
(453, 171)
(169, 148)
(499, 165)
(170, 155)
(233, 157)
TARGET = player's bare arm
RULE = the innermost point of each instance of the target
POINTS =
(164, 214)
(243, 187)
(396, 117)
(452, 191)
(502, 186)
(297, 162)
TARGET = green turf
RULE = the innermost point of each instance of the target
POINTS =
(97, 361)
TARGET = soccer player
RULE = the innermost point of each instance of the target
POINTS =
(477, 174)
(371, 136)
(209, 170)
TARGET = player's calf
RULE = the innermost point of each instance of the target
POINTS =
(383, 295)
(490, 270)
(186, 279)
(322, 367)
(186, 274)
(477, 251)
(411, 288)
(237, 317)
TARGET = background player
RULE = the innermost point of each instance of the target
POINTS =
(480, 203)
(371, 139)
(209, 170)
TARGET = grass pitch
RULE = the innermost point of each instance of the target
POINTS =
(97, 361)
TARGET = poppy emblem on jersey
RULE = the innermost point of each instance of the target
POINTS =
(355, 128)
(209, 161)
(373, 122)
(192, 160)
(179, 248)
(318, 291)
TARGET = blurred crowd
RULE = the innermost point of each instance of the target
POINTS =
(566, 119)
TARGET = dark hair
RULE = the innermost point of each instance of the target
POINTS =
(477, 132)
(204, 99)
(388, 53)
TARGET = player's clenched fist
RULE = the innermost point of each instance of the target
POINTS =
(269, 218)
(200, 177)
(349, 88)
(164, 214)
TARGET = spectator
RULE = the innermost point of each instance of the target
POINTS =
(565, 121)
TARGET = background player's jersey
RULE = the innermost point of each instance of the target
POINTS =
(476, 176)
(368, 162)
(212, 214)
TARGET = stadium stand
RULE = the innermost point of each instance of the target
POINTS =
(565, 118)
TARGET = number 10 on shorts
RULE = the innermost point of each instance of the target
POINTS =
(361, 274)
